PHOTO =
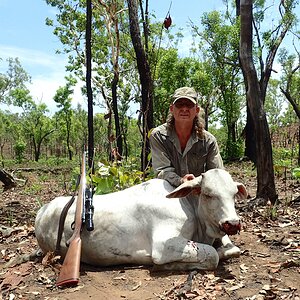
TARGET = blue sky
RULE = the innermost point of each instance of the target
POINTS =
(24, 35)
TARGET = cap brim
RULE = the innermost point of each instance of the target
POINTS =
(186, 97)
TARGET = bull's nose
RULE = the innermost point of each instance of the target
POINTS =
(231, 227)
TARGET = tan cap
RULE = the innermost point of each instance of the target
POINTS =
(186, 93)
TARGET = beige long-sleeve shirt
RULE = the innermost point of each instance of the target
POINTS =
(171, 164)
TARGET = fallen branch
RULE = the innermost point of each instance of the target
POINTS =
(187, 286)
(7, 179)
(20, 259)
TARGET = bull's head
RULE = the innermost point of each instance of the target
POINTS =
(217, 192)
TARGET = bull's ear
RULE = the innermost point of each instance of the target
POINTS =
(242, 192)
(186, 188)
(179, 193)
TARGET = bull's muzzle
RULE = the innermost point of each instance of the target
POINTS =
(231, 227)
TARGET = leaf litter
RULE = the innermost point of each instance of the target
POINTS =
(267, 269)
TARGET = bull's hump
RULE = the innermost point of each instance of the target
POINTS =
(151, 191)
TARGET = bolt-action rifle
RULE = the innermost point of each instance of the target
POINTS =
(69, 273)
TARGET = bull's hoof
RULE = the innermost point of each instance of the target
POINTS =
(228, 251)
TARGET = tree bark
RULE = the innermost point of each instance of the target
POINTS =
(88, 46)
(286, 9)
(265, 172)
(145, 79)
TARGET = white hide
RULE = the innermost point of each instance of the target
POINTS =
(140, 225)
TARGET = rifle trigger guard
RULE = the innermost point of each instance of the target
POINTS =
(73, 226)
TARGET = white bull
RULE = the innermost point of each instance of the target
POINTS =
(140, 225)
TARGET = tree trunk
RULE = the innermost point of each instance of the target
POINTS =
(231, 145)
(265, 172)
(145, 79)
(286, 10)
(115, 110)
(70, 152)
(250, 148)
(112, 19)
(88, 46)
(298, 143)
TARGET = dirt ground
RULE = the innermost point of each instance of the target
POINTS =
(267, 269)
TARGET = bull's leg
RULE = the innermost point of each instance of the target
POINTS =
(228, 249)
(181, 254)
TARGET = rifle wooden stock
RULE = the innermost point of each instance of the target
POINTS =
(69, 273)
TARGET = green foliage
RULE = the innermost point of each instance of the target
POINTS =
(37, 126)
(285, 161)
(112, 177)
(229, 149)
(13, 83)
(211, 69)
(39, 202)
(284, 156)
(55, 161)
(290, 81)
(296, 173)
(271, 212)
(234, 150)
(65, 114)
(19, 148)
(171, 73)
(219, 43)
(32, 189)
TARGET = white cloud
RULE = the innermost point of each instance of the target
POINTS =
(43, 90)
(33, 58)
(47, 74)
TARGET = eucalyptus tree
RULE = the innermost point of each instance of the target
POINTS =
(6, 136)
(266, 42)
(11, 132)
(64, 103)
(274, 104)
(171, 72)
(101, 142)
(290, 86)
(265, 173)
(112, 13)
(37, 126)
(219, 46)
(209, 94)
(80, 127)
(88, 82)
(290, 78)
(13, 92)
(8, 122)
(14, 80)
(142, 58)
(109, 39)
